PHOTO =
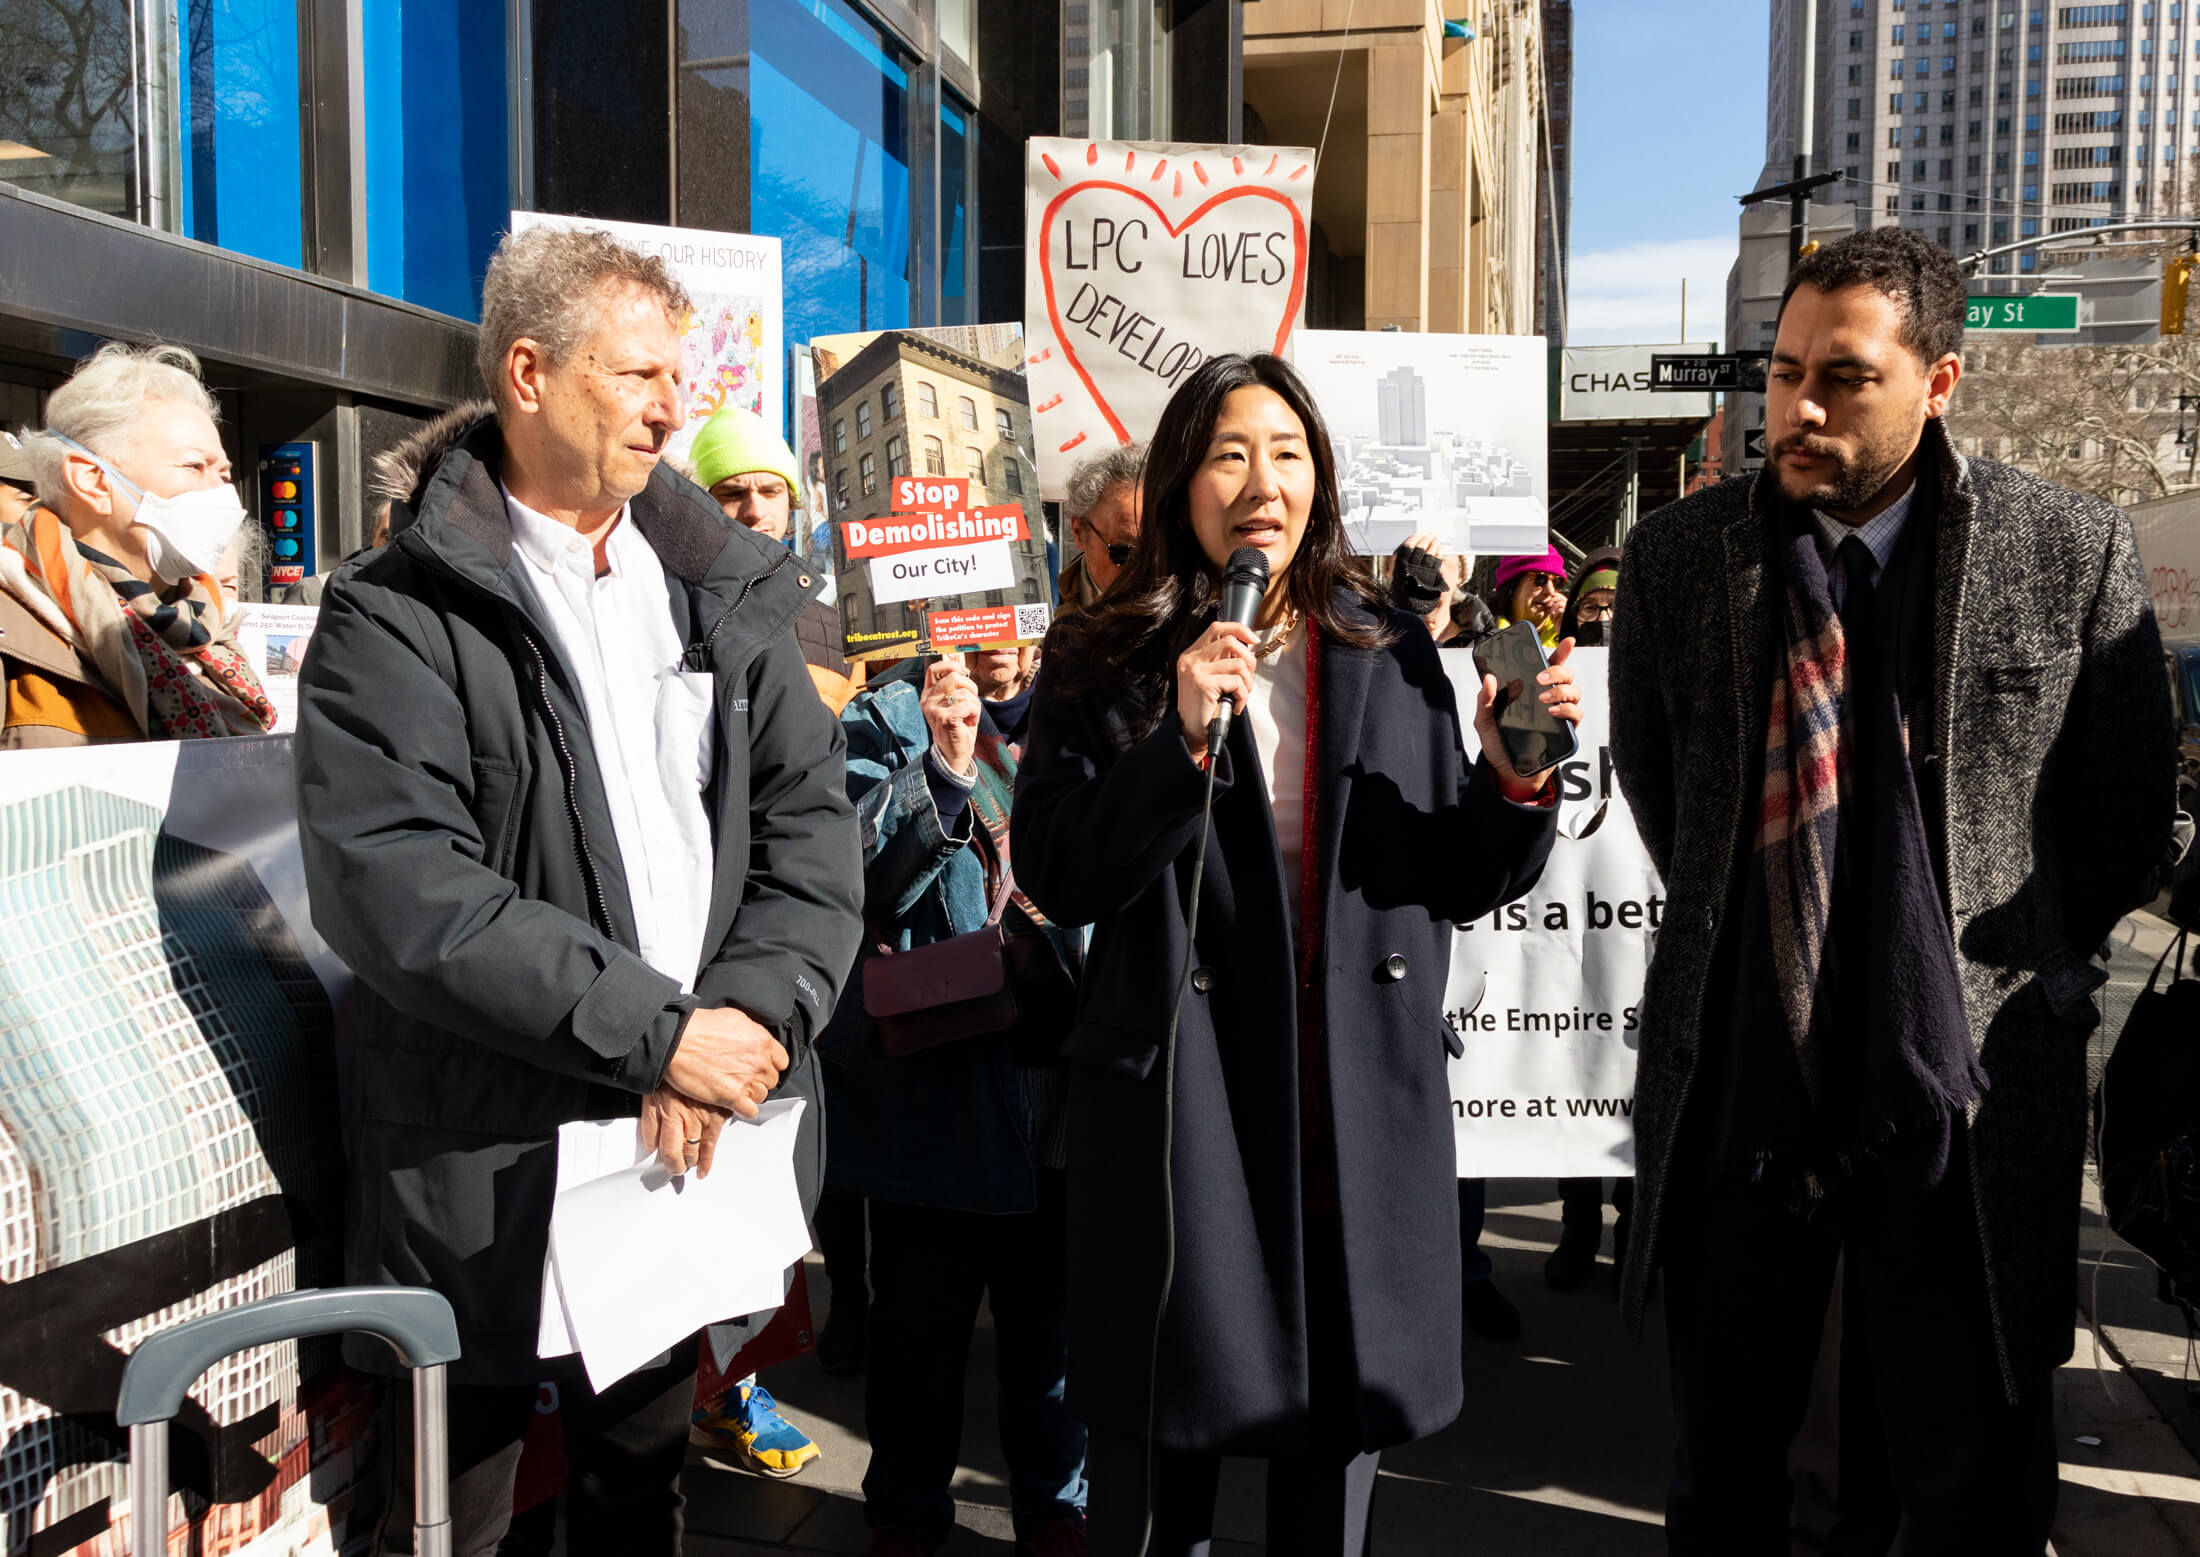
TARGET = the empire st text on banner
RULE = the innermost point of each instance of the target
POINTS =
(1545, 994)
(1142, 260)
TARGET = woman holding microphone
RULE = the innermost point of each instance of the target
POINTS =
(1263, 1223)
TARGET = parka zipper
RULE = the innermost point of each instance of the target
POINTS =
(697, 657)
(599, 909)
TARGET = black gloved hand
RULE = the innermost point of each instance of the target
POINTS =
(1416, 580)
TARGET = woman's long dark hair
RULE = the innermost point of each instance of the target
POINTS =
(1125, 648)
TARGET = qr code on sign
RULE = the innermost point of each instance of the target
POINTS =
(1031, 621)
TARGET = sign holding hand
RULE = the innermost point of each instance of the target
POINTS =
(1142, 261)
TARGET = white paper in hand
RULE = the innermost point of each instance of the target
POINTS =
(639, 1261)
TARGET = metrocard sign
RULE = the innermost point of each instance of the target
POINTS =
(2036, 314)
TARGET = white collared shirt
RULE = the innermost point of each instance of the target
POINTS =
(652, 725)
(1878, 533)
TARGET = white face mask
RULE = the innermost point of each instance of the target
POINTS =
(187, 534)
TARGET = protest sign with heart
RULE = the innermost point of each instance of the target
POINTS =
(1143, 260)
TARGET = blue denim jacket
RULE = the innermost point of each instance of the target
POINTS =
(952, 1126)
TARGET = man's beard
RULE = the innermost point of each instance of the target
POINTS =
(1857, 478)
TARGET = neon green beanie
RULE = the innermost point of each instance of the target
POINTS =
(734, 442)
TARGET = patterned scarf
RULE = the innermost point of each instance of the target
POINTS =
(1807, 759)
(1868, 984)
(167, 653)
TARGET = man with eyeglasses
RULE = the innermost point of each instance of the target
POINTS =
(1103, 510)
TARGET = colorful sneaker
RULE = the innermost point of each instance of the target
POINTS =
(1063, 1538)
(748, 1423)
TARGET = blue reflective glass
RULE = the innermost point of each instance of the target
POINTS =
(955, 303)
(237, 104)
(829, 164)
(437, 152)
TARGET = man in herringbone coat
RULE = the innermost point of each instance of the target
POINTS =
(1894, 726)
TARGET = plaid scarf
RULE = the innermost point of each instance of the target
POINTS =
(1807, 763)
(167, 653)
(1866, 979)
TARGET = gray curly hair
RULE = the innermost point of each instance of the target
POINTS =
(542, 286)
(1095, 478)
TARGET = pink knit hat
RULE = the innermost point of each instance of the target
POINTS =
(1546, 561)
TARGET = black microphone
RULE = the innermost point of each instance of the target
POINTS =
(1244, 586)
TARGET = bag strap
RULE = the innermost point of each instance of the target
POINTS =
(2176, 948)
(981, 837)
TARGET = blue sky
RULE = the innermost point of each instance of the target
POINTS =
(1669, 126)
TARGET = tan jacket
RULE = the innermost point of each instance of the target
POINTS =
(54, 697)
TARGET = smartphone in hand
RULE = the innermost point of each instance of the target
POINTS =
(1535, 738)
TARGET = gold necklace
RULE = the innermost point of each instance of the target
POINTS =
(1281, 637)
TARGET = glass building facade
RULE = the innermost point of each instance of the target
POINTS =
(340, 171)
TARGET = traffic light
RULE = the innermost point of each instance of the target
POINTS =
(2174, 282)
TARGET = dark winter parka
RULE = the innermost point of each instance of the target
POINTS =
(461, 859)
(2049, 758)
(1409, 839)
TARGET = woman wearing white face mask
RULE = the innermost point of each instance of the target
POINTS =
(111, 626)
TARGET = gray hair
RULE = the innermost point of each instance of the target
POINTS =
(1093, 479)
(543, 286)
(100, 406)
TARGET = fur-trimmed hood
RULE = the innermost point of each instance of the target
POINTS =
(401, 472)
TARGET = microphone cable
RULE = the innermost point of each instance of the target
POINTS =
(1168, 1124)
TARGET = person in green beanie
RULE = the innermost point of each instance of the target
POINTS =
(749, 471)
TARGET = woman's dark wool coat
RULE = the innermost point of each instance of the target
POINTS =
(1410, 839)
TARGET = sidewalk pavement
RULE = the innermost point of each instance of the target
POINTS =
(1562, 1448)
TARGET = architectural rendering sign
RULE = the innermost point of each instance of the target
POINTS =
(732, 354)
(1442, 433)
(1141, 261)
(1618, 384)
(1545, 994)
(168, 1140)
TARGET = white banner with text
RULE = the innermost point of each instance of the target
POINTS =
(1545, 993)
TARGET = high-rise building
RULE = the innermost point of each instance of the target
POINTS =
(1991, 120)
(1401, 409)
(1977, 123)
(1555, 193)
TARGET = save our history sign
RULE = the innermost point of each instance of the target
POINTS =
(1545, 994)
(1142, 260)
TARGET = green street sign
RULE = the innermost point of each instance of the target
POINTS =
(2034, 314)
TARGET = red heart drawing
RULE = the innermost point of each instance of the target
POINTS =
(1174, 230)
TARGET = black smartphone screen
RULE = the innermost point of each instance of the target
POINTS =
(1535, 738)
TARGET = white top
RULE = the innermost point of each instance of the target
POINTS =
(1276, 714)
(651, 725)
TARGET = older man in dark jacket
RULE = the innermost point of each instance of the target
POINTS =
(1892, 724)
(574, 816)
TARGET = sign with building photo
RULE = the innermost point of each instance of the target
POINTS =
(1618, 384)
(939, 542)
(1142, 260)
(1442, 433)
(732, 352)
(168, 1141)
